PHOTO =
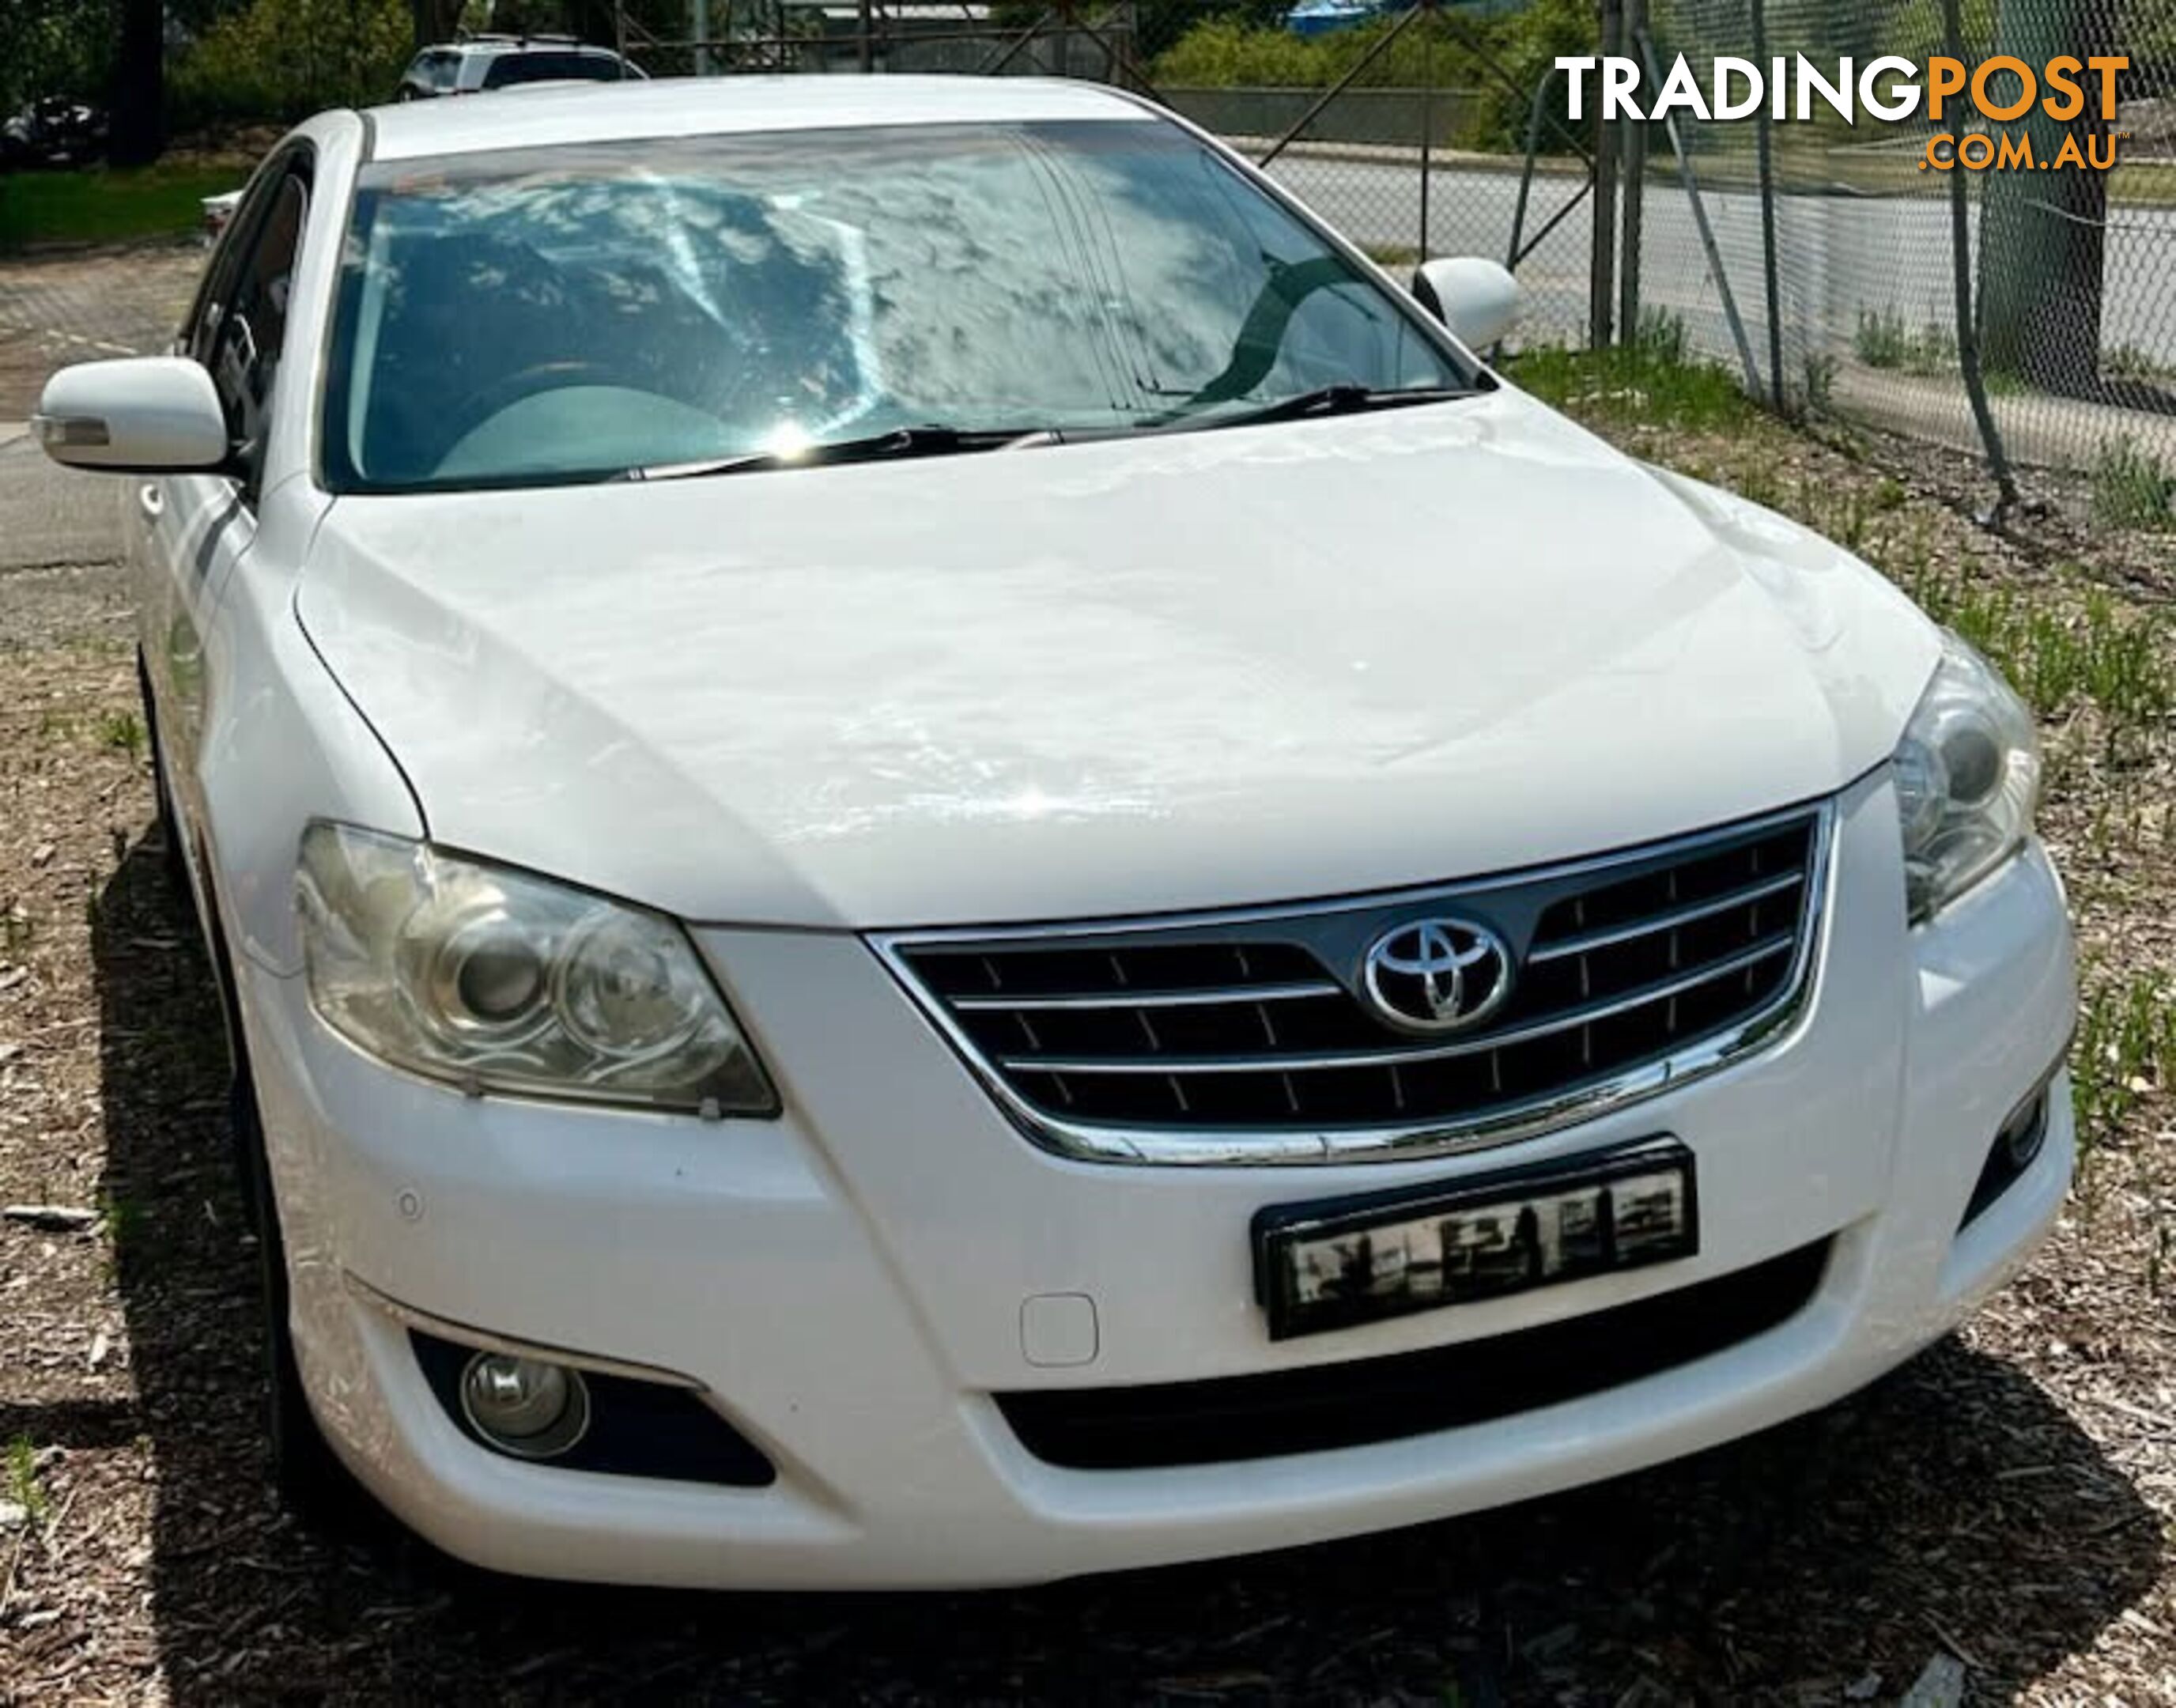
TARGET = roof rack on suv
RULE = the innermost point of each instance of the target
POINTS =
(556, 38)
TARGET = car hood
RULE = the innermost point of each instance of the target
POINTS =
(1184, 671)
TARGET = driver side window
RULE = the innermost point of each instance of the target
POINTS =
(239, 333)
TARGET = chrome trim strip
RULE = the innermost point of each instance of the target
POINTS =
(1151, 999)
(461, 1333)
(1613, 935)
(1256, 1147)
(1766, 949)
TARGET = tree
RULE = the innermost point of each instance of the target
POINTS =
(139, 84)
(2043, 234)
(436, 20)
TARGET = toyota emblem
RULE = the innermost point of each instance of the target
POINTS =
(1438, 975)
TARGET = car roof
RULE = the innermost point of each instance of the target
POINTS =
(497, 45)
(726, 105)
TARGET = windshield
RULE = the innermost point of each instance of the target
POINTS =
(578, 311)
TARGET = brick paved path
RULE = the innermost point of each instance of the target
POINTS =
(55, 309)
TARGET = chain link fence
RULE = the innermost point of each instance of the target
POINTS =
(2027, 316)
(2024, 313)
(1407, 128)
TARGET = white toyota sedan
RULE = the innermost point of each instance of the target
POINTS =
(940, 855)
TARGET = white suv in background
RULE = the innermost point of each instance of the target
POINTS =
(940, 855)
(479, 63)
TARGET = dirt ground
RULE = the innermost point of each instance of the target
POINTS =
(1998, 1510)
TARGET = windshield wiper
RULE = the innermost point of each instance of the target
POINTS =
(925, 441)
(1343, 399)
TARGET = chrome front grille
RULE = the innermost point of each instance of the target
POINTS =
(1246, 1037)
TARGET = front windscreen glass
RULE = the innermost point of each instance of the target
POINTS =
(575, 313)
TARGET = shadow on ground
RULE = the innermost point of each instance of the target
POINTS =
(1953, 1505)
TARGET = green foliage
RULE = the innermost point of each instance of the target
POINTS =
(53, 47)
(1247, 47)
(1885, 341)
(2129, 361)
(2131, 488)
(21, 1478)
(2126, 1046)
(1820, 375)
(285, 59)
(105, 205)
(123, 732)
(1648, 383)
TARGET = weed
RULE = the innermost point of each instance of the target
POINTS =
(2131, 488)
(1661, 335)
(122, 732)
(2129, 361)
(1819, 383)
(1881, 339)
(2126, 1048)
(1885, 341)
(16, 928)
(1758, 485)
(124, 1224)
(22, 1473)
(1648, 381)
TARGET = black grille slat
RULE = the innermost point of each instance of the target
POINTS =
(1215, 1025)
(1320, 1407)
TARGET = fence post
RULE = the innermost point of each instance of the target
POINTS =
(1714, 267)
(2005, 485)
(1635, 136)
(1602, 274)
(1428, 115)
(1762, 144)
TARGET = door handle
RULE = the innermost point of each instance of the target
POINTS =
(150, 500)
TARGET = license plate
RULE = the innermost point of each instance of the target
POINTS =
(1341, 1262)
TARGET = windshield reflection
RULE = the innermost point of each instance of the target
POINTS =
(577, 312)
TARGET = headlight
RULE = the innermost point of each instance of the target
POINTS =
(500, 982)
(1967, 777)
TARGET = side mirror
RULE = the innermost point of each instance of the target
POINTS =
(1478, 299)
(140, 415)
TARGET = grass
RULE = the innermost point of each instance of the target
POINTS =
(105, 205)
(1648, 382)
(2129, 361)
(2131, 488)
(2126, 1048)
(122, 732)
(1885, 341)
(124, 1222)
(22, 1478)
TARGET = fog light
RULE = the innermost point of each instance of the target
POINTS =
(525, 1406)
(2024, 1134)
(2017, 1143)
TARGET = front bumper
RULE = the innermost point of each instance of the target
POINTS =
(851, 1284)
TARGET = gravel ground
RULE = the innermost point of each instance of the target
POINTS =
(1996, 1516)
